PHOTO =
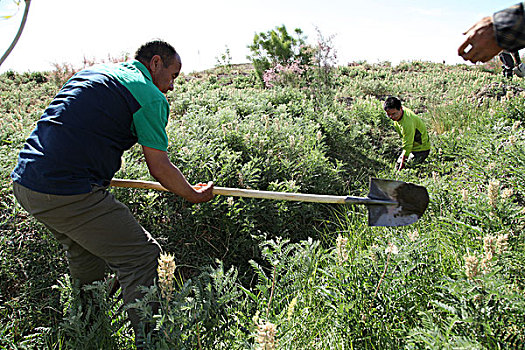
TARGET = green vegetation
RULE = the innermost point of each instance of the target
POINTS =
(268, 274)
(277, 47)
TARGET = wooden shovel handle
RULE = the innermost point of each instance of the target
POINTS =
(237, 192)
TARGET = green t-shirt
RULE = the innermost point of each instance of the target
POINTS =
(413, 132)
(150, 121)
(97, 115)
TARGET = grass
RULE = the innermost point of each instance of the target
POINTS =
(314, 274)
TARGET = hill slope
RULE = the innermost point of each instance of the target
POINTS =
(315, 272)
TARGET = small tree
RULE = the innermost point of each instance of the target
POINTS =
(321, 76)
(224, 59)
(278, 47)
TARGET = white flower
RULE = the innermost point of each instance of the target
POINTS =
(266, 336)
(464, 194)
(342, 253)
(291, 308)
(391, 249)
(471, 266)
(493, 192)
(166, 274)
(413, 235)
(507, 193)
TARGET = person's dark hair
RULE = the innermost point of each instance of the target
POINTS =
(156, 47)
(392, 103)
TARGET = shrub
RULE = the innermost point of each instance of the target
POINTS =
(277, 47)
(299, 275)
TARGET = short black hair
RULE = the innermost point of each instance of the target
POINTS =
(392, 103)
(156, 47)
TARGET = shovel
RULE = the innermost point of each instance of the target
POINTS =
(389, 202)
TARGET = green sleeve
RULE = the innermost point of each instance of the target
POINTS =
(149, 125)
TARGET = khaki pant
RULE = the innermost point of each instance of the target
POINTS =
(96, 231)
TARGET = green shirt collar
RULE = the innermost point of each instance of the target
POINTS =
(142, 68)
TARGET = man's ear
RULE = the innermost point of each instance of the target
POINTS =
(154, 63)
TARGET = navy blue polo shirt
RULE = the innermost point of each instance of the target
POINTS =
(97, 115)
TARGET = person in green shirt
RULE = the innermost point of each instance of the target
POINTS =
(413, 132)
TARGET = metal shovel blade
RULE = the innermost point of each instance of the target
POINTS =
(412, 201)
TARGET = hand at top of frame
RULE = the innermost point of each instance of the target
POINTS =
(481, 39)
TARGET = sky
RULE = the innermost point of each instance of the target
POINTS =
(67, 31)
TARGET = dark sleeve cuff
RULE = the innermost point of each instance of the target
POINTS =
(509, 25)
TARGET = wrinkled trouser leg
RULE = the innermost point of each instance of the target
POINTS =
(95, 229)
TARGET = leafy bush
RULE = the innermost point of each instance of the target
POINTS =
(253, 273)
(276, 46)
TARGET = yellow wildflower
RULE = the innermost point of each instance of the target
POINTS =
(489, 244)
(342, 253)
(291, 308)
(493, 192)
(414, 235)
(391, 249)
(166, 272)
(266, 336)
(507, 193)
(464, 195)
(471, 266)
(502, 243)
